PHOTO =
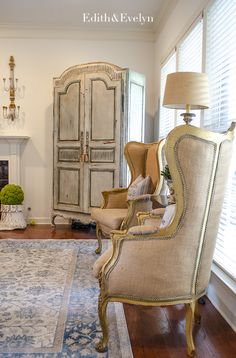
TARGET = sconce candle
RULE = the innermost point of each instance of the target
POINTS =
(12, 112)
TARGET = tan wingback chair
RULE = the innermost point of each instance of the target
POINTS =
(172, 265)
(118, 213)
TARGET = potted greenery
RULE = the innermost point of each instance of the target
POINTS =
(167, 176)
(11, 197)
(166, 173)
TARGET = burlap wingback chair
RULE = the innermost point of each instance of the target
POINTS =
(116, 211)
(172, 265)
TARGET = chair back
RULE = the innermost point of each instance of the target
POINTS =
(198, 162)
(146, 159)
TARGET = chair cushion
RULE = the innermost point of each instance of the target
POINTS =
(143, 230)
(153, 221)
(156, 217)
(168, 215)
(139, 187)
(158, 211)
(150, 227)
(101, 261)
(111, 218)
(133, 187)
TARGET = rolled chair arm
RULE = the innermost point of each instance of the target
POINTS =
(142, 216)
(154, 215)
(115, 198)
(141, 203)
(143, 230)
(118, 232)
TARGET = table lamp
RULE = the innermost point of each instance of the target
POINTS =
(186, 90)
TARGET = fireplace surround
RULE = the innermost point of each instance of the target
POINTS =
(10, 158)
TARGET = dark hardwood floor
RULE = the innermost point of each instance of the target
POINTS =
(155, 332)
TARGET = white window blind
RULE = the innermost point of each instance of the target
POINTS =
(189, 56)
(225, 252)
(221, 69)
(167, 116)
(190, 50)
(190, 60)
(221, 64)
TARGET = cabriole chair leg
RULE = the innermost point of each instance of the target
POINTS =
(197, 316)
(99, 238)
(190, 309)
(101, 346)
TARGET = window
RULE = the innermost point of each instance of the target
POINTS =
(220, 65)
(190, 50)
(135, 129)
(167, 115)
(226, 244)
(187, 59)
(136, 114)
(221, 69)
(190, 60)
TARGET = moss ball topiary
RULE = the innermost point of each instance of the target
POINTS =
(11, 194)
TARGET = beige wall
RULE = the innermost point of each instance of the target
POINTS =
(37, 62)
(40, 58)
(182, 16)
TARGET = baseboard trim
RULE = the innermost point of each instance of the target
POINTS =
(46, 220)
(223, 297)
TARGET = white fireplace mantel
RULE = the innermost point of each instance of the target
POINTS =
(10, 149)
(13, 139)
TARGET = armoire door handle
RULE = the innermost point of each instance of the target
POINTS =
(82, 146)
(86, 154)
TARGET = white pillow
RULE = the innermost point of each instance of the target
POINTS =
(139, 187)
(168, 215)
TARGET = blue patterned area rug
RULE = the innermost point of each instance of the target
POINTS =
(48, 302)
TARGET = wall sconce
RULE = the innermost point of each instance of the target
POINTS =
(12, 112)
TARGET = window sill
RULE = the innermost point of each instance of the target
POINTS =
(223, 277)
(222, 293)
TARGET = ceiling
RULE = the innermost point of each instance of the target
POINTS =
(69, 13)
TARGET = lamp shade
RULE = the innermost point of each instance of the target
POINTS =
(186, 88)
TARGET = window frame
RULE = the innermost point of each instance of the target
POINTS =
(200, 17)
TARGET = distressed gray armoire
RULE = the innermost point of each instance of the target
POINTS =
(91, 114)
